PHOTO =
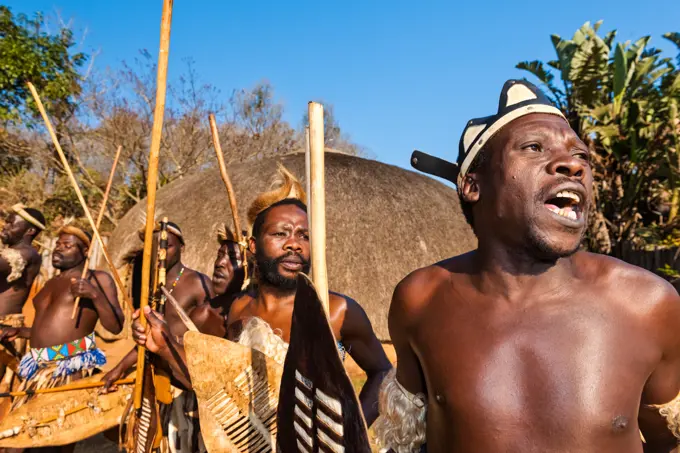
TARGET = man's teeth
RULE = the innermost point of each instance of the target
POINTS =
(568, 213)
(569, 194)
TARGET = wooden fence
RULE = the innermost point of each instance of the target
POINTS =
(652, 260)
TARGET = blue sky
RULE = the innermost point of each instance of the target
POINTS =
(401, 75)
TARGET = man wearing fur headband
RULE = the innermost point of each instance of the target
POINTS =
(261, 317)
(62, 348)
(19, 266)
(228, 280)
(191, 289)
(529, 344)
(19, 260)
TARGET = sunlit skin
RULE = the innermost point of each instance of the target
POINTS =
(18, 234)
(526, 344)
(228, 275)
(54, 303)
(192, 290)
(285, 234)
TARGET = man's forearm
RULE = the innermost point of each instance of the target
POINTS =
(110, 316)
(175, 357)
(369, 396)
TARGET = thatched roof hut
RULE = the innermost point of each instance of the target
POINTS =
(382, 222)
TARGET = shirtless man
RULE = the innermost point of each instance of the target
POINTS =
(46, 364)
(280, 244)
(189, 287)
(19, 260)
(528, 344)
(227, 280)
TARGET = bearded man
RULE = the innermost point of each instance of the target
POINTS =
(19, 266)
(261, 317)
(62, 348)
(528, 343)
(227, 281)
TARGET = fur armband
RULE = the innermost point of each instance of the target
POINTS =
(671, 412)
(403, 417)
(16, 262)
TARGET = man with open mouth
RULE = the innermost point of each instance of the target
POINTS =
(528, 343)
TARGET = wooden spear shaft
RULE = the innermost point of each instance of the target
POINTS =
(230, 191)
(68, 388)
(308, 181)
(225, 177)
(318, 202)
(79, 194)
(152, 181)
(102, 210)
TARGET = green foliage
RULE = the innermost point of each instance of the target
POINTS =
(621, 98)
(29, 54)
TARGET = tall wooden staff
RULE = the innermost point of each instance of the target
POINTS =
(102, 210)
(230, 191)
(318, 202)
(308, 188)
(76, 188)
(152, 181)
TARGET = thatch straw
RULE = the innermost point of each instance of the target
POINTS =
(382, 222)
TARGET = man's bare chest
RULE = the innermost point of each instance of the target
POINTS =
(574, 357)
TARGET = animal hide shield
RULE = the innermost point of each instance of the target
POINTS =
(238, 392)
(63, 418)
(318, 408)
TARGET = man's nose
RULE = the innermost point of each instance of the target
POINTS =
(566, 164)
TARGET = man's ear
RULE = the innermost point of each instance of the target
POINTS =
(31, 231)
(470, 188)
(252, 245)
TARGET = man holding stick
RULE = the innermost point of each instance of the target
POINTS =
(64, 349)
(261, 317)
(528, 344)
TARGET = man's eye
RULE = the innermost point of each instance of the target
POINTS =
(279, 233)
(583, 156)
(533, 147)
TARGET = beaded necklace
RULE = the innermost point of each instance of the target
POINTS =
(172, 288)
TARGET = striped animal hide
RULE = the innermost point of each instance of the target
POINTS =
(318, 408)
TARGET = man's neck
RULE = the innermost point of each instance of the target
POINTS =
(75, 271)
(272, 298)
(172, 272)
(512, 272)
(23, 242)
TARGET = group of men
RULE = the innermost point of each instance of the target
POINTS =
(525, 344)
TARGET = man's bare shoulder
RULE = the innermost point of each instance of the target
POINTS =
(414, 292)
(28, 253)
(641, 285)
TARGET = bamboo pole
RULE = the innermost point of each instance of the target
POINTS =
(152, 180)
(102, 210)
(318, 202)
(79, 194)
(68, 388)
(308, 189)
